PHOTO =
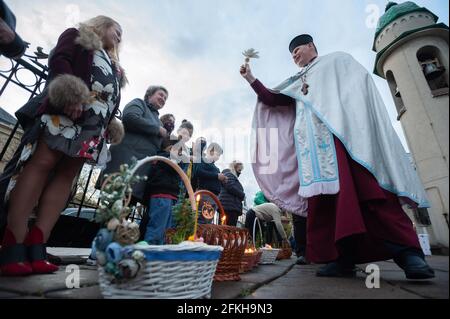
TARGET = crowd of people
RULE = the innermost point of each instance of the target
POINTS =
(72, 123)
(343, 185)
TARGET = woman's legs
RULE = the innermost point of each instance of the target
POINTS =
(56, 194)
(51, 203)
(28, 189)
(34, 187)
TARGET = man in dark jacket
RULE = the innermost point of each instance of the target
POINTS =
(11, 45)
(208, 177)
(232, 193)
(144, 134)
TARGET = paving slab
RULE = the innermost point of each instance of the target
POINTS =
(38, 285)
(8, 295)
(283, 280)
(92, 292)
(251, 280)
(301, 283)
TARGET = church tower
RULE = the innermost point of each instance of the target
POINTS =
(412, 55)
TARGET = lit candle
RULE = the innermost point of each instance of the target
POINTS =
(224, 219)
(197, 201)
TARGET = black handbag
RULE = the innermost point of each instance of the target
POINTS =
(27, 114)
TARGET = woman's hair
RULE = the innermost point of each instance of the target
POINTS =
(233, 166)
(166, 117)
(153, 89)
(187, 125)
(100, 25)
(214, 147)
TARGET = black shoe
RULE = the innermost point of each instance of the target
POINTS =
(414, 265)
(302, 261)
(336, 269)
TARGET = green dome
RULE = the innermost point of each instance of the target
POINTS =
(395, 11)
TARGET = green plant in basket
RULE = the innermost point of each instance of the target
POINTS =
(258, 240)
(184, 220)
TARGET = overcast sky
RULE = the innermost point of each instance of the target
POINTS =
(194, 48)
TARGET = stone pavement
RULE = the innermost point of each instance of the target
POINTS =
(283, 280)
(301, 283)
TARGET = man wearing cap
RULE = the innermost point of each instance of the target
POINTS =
(339, 161)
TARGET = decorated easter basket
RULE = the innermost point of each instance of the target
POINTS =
(183, 271)
(234, 240)
(140, 271)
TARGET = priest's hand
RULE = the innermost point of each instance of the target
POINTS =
(246, 73)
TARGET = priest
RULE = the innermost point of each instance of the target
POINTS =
(337, 159)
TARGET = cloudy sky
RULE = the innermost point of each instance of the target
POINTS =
(193, 47)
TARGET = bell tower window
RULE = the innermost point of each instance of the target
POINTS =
(436, 75)
(396, 94)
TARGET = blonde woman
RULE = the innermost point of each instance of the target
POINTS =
(73, 124)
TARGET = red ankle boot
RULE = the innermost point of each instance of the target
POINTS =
(37, 253)
(13, 257)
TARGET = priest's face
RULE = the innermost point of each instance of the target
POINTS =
(303, 54)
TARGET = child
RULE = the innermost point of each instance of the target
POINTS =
(163, 187)
(209, 177)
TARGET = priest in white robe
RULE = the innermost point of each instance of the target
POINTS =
(337, 159)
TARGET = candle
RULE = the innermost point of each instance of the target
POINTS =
(224, 219)
(197, 201)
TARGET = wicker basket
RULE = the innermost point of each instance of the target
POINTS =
(258, 258)
(182, 271)
(168, 271)
(285, 253)
(269, 256)
(233, 240)
(249, 261)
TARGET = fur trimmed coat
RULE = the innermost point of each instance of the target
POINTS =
(70, 68)
(68, 82)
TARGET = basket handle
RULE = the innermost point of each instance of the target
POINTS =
(184, 178)
(254, 231)
(214, 198)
